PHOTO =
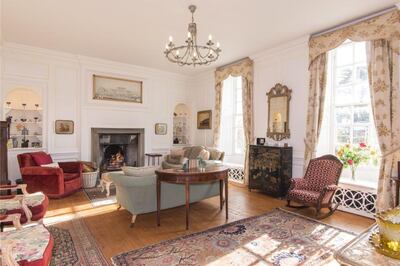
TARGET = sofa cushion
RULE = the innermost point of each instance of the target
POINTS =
(186, 151)
(175, 159)
(215, 154)
(139, 171)
(195, 152)
(204, 154)
(41, 158)
(70, 176)
(177, 152)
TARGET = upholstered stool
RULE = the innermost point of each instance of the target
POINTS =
(30, 246)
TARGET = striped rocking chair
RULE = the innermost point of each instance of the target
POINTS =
(318, 186)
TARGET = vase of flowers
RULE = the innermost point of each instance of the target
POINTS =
(354, 155)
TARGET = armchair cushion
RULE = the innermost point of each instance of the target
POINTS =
(70, 176)
(71, 167)
(303, 195)
(215, 154)
(41, 158)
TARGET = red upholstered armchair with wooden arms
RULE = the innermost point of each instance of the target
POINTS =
(54, 182)
(318, 186)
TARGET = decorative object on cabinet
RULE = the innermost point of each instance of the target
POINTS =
(161, 129)
(64, 127)
(117, 89)
(278, 112)
(318, 186)
(4, 133)
(204, 119)
(270, 169)
(260, 141)
(22, 107)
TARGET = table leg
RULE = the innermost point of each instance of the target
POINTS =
(148, 160)
(158, 160)
(221, 194)
(226, 197)
(187, 191)
(158, 200)
(153, 161)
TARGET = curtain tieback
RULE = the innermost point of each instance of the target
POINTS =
(383, 156)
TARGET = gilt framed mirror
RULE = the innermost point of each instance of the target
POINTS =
(278, 112)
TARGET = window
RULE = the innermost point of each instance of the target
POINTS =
(348, 114)
(232, 135)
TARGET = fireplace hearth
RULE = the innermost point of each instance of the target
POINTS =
(114, 148)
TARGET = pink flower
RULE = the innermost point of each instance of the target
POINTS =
(363, 145)
(350, 162)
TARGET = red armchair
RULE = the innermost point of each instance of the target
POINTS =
(54, 182)
(318, 186)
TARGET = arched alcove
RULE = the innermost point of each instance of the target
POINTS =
(23, 107)
(181, 123)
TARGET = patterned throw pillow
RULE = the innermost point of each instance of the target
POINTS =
(204, 154)
(175, 159)
(215, 154)
(177, 152)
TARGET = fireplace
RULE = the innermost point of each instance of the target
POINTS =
(113, 148)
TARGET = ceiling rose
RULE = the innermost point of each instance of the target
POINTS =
(191, 53)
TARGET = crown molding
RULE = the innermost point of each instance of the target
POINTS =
(281, 48)
(43, 53)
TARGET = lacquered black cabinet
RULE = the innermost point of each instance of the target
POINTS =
(270, 169)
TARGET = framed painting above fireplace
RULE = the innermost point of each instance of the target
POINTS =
(117, 89)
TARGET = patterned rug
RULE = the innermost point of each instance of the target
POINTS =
(98, 198)
(75, 245)
(277, 237)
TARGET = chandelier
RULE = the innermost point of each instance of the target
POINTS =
(191, 53)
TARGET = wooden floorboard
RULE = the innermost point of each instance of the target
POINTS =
(110, 227)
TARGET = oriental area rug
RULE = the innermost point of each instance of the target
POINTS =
(75, 245)
(277, 237)
(98, 198)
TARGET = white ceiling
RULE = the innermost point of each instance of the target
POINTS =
(135, 31)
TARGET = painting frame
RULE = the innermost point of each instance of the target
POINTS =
(64, 127)
(204, 119)
(161, 128)
(105, 94)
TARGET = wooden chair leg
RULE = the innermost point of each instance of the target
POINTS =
(133, 220)
(119, 206)
(297, 207)
(332, 209)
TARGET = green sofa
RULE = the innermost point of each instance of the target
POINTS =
(138, 194)
(212, 156)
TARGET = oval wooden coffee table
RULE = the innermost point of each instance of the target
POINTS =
(193, 176)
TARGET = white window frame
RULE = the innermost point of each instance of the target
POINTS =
(233, 156)
(333, 125)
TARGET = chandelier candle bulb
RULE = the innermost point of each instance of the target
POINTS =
(171, 39)
(210, 37)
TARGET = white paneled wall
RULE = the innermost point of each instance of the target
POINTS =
(285, 64)
(65, 83)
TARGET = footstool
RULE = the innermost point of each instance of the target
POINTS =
(105, 182)
(31, 246)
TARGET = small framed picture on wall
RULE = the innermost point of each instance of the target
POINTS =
(204, 119)
(64, 127)
(161, 129)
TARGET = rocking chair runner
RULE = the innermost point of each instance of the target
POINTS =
(318, 186)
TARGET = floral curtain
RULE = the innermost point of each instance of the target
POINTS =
(243, 68)
(386, 26)
(383, 73)
(316, 98)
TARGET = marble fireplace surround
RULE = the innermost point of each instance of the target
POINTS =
(96, 145)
